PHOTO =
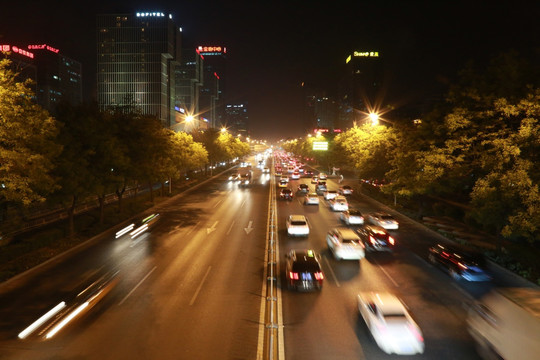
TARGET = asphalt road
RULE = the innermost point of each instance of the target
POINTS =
(188, 288)
(191, 287)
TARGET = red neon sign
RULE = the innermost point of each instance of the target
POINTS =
(212, 49)
(17, 50)
(44, 46)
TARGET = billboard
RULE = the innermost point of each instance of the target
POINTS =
(320, 145)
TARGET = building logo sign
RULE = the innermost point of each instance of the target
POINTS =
(44, 46)
(150, 14)
(366, 54)
(17, 50)
(211, 50)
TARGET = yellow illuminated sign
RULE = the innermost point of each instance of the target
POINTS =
(366, 54)
(320, 145)
(348, 59)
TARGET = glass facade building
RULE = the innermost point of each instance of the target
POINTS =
(137, 55)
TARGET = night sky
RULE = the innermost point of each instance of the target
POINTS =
(274, 46)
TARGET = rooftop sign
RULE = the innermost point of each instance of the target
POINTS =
(44, 46)
(211, 50)
(17, 50)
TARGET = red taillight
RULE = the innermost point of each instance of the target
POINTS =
(417, 334)
(319, 275)
(293, 275)
(391, 240)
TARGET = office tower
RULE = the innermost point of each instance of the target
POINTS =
(137, 55)
(236, 118)
(213, 91)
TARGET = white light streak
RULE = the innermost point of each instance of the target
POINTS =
(23, 334)
(64, 322)
(125, 230)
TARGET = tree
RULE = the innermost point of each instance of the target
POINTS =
(27, 147)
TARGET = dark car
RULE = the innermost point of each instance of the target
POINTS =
(286, 194)
(304, 270)
(308, 173)
(375, 238)
(459, 261)
(303, 188)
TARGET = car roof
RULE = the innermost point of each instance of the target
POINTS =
(346, 233)
(375, 229)
(297, 217)
(386, 302)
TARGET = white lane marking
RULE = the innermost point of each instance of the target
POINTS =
(211, 229)
(230, 227)
(200, 286)
(136, 286)
(332, 272)
(243, 202)
(217, 203)
(388, 276)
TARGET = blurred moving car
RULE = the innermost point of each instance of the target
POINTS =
(383, 220)
(330, 194)
(390, 324)
(283, 183)
(295, 175)
(285, 178)
(323, 176)
(459, 261)
(297, 225)
(345, 190)
(505, 324)
(375, 238)
(339, 203)
(315, 179)
(266, 170)
(344, 243)
(311, 199)
(308, 173)
(286, 194)
(304, 188)
(352, 217)
(303, 270)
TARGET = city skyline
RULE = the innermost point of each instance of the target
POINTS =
(272, 50)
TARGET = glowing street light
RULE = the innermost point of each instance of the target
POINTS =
(374, 117)
(189, 118)
(223, 130)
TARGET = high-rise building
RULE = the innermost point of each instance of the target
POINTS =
(57, 77)
(137, 56)
(236, 118)
(360, 86)
(189, 79)
(213, 91)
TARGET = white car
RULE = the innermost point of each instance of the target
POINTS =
(344, 243)
(352, 217)
(315, 179)
(285, 178)
(295, 175)
(266, 170)
(330, 194)
(339, 203)
(345, 190)
(323, 176)
(311, 199)
(393, 329)
(384, 220)
(297, 225)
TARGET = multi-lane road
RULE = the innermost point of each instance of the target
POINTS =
(191, 287)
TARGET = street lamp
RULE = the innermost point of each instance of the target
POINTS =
(374, 117)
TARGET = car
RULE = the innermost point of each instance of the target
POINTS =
(295, 175)
(390, 324)
(303, 188)
(344, 243)
(375, 238)
(311, 199)
(383, 220)
(330, 194)
(266, 170)
(283, 183)
(352, 217)
(297, 225)
(303, 270)
(323, 176)
(278, 173)
(284, 177)
(286, 194)
(315, 179)
(459, 261)
(321, 188)
(308, 173)
(339, 203)
(345, 190)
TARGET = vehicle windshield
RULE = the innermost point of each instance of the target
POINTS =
(298, 223)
